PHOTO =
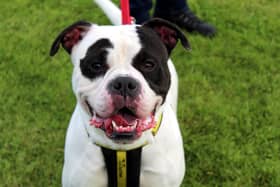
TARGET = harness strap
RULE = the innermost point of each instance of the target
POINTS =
(123, 167)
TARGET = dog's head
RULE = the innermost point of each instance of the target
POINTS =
(121, 76)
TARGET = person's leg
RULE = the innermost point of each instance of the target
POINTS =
(139, 9)
(178, 12)
(167, 7)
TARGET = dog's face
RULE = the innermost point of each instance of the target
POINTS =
(120, 76)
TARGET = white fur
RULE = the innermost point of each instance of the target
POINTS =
(162, 163)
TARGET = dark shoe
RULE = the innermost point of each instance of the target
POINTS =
(188, 20)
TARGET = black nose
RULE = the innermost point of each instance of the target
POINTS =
(124, 86)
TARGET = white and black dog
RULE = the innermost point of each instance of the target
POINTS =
(126, 90)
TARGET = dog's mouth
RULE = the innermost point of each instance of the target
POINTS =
(123, 124)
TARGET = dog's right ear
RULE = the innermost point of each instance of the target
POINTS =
(70, 36)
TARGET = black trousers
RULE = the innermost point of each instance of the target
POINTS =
(140, 8)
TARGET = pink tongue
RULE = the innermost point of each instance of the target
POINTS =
(120, 121)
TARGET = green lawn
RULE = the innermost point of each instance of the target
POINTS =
(229, 106)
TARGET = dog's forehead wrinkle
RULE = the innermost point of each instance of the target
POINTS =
(125, 49)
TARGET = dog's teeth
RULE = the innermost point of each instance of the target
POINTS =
(114, 125)
(134, 125)
(124, 128)
(149, 119)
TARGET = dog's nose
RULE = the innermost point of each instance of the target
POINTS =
(124, 86)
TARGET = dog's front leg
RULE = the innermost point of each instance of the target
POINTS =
(83, 163)
(86, 171)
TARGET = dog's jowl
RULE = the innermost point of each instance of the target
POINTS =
(124, 131)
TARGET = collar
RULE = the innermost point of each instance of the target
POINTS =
(158, 123)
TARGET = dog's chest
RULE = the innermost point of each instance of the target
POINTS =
(149, 176)
(153, 171)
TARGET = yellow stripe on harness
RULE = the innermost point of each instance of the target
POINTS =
(121, 168)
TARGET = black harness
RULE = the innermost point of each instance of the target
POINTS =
(123, 167)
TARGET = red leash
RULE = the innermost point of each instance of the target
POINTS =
(126, 19)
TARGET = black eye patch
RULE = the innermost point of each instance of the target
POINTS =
(151, 61)
(94, 64)
(154, 70)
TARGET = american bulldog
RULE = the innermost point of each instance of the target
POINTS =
(124, 130)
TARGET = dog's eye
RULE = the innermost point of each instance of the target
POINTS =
(94, 65)
(148, 65)
(97, 66)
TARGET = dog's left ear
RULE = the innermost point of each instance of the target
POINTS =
(168, 33)
(70, 36)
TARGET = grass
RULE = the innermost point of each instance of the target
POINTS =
(229, 107)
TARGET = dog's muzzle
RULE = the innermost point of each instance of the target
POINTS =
(124, 123)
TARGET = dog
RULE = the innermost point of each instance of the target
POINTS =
(126, 90)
